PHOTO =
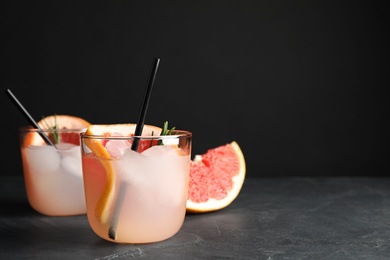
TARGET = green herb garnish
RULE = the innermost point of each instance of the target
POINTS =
(166, 131)
(55, 136)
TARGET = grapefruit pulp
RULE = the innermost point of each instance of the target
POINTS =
(216, 178)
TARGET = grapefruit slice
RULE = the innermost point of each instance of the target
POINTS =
(59, 122)
(216, 178)
(97, 147)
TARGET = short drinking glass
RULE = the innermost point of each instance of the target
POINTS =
(136, 196)
(53, 174)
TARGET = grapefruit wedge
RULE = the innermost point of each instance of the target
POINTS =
(216, 178)
(102, 208)
(60, 122)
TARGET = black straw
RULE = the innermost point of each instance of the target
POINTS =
(29, 117)
(134, 147)
(144, 108)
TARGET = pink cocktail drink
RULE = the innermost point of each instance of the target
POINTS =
(53, 174)
(147, 199)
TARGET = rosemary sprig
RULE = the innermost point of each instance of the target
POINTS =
(166, 131)
(55, 135)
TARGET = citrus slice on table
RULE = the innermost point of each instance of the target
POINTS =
(216, 178)
(59, 122)
(98, 148)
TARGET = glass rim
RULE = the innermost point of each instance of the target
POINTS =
(178, 134)
(49, 130)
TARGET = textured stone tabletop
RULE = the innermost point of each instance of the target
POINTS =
(285, 218)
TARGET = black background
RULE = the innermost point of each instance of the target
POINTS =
(300, 85)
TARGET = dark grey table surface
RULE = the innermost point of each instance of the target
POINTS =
(288, 218)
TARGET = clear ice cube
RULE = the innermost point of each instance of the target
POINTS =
(131, 167)
(160, 150)
(42, 159)
(116, 148)
(71, 161)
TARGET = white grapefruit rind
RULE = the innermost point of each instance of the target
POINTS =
(238, 181)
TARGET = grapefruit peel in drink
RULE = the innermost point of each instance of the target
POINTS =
(57, 122)
(216, 178)
(102, 212)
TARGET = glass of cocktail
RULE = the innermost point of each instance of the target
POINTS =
(135, 196)
(53, 173)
